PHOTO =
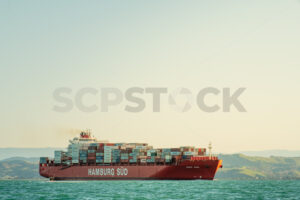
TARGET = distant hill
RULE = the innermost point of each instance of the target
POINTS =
(235, 167)
(275, 152)
(49, 152)
(27, 152)
(239, 166)
(30, 160)
(19, 169)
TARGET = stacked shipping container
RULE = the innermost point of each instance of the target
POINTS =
(107, 153)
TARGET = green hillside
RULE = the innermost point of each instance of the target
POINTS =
(239, 166)
(19, 168)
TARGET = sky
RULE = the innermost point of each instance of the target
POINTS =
(46, 45)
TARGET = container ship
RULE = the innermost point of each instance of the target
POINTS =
(86, 158)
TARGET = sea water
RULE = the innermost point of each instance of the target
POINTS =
(217, 189)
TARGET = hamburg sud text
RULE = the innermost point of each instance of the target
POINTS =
(108, 171)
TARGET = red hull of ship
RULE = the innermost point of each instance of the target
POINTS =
(189, 170)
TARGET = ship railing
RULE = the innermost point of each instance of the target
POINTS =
(213, 157)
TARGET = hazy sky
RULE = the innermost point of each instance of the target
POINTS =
(45, 45)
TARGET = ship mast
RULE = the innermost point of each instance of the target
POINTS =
(209, 148)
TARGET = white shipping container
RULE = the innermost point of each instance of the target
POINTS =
(142, 157)
(140, 147)
(58, 152)
(188, 153)
(130, 146)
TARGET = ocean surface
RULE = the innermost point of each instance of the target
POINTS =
(218, 189)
